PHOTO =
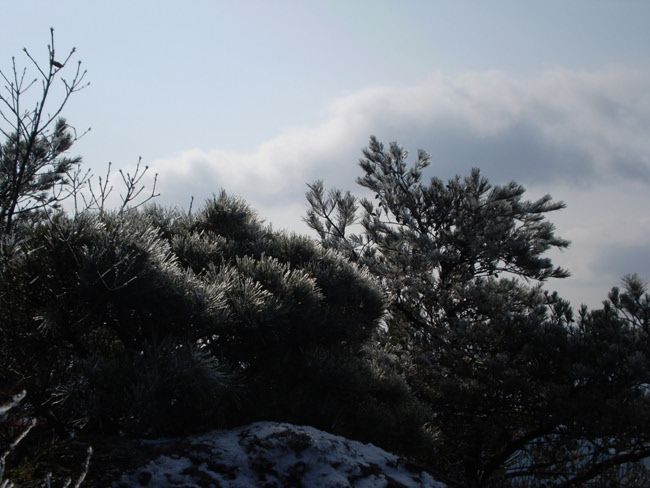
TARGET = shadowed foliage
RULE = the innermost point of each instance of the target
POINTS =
(520, 391)
(157, 322)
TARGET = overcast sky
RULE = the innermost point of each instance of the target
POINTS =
(261, 97)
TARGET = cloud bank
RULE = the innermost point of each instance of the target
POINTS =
(583, 136)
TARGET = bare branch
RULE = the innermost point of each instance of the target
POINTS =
(132, 191)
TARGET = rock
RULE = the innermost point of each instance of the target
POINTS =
(273, 455)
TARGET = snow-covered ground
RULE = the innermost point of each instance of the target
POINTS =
(277, 455)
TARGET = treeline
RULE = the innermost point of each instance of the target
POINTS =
(416, 321)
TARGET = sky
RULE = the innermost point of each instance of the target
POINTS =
(262, 97)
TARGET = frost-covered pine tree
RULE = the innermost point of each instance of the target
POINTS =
(495, 358)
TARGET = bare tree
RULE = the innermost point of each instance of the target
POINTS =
(32, 160)
(96, 196)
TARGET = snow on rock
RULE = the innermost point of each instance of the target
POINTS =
(277, 455)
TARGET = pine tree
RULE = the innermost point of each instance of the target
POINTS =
(495, 358)
(156, 322)
(34, 171)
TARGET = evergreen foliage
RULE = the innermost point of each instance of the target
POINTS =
(156, 322)
(520, 392)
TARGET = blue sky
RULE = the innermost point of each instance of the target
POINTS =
(261, 97)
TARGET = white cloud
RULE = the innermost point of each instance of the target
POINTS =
(584, 134)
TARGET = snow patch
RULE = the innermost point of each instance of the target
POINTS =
(278, 455)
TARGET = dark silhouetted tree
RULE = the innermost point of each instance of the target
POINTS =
(519, 392)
